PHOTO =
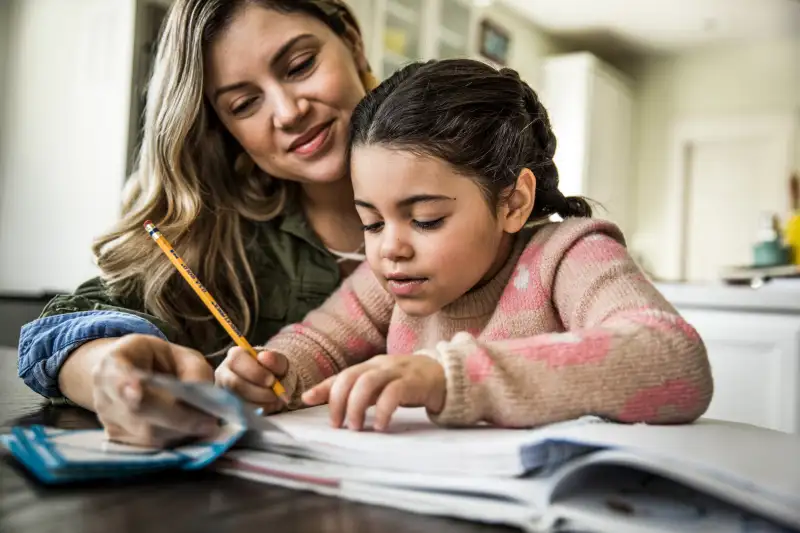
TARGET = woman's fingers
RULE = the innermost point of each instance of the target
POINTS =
(190, 365)
(132, 412)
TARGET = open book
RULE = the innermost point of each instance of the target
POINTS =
(580, 475)
(585, 475)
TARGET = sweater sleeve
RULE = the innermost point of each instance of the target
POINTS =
(625, 354)
(349, 328)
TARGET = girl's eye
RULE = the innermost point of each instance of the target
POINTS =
(373, 228)
(302, 67)
(240, 108)
(427, 225)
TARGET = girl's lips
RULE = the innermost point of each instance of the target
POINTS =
(405, 286)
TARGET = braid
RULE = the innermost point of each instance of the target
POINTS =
(539, 159)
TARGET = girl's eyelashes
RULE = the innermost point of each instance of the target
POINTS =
(428, 225)
(423, 225)
(373, 228)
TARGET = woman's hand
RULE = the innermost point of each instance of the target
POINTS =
(252, 379)
(130, 411)
(386, 381)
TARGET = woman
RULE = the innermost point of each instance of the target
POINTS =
(242, 167)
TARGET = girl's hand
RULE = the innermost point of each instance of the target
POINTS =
(386, 381)
(252, 379)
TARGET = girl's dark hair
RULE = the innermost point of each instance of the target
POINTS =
(487, 124)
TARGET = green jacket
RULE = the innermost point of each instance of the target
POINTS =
(293, 270)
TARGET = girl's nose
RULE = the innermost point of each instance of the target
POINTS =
(395, 247)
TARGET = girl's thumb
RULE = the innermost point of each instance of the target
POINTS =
(274, 362)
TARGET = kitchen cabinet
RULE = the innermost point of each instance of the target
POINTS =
(590, 105)
(753, 343)
(404, 31)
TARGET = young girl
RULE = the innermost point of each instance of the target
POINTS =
(488, 312)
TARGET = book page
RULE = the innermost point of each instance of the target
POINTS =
(410, 442)
(625, 500)
(760, 459)
(409, 426)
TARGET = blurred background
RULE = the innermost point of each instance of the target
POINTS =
(681, 118)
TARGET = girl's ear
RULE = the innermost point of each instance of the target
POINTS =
(519, 204)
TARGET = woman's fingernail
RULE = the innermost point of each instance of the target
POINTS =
(132, 395)
(208, 427)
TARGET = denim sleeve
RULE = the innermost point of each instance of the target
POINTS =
(45, 343)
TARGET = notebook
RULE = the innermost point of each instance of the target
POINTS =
(587, 474)
(724, 472)
(57, 456)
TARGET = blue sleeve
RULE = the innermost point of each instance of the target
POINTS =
(45, 343)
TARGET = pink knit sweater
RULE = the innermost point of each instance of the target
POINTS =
(569, 327)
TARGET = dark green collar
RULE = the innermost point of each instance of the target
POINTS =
(295, 223)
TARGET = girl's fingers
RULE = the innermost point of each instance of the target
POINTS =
(259, 394)
(248, 369)
(390, 399)
(340, 393)
(364, 393)
(320, 393)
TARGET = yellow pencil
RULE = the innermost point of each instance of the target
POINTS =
(207, 299)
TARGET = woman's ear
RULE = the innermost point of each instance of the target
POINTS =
(519, 204)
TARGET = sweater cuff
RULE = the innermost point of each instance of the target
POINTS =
(461, 405)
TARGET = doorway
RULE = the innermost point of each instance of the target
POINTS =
(728, 174)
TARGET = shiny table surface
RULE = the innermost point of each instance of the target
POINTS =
(176, 501)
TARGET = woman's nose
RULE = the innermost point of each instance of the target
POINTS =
(287, 109)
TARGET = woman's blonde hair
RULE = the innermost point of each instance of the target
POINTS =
(190, 181)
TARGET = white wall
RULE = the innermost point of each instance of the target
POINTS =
(5, 38)
(62, 156)
(747, 79)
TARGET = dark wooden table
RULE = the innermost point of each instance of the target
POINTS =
(174, 502)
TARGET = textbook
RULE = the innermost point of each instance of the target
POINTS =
(587, 474)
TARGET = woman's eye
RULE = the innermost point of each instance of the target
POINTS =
(302, 67)
(373, 228)
(242, 106)
(427, 225)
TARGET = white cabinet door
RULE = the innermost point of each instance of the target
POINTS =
(755, 360)
(590, 105)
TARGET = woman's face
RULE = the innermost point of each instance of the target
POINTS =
(285, 86)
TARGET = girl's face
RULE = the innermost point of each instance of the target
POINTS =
(285, 86)
(430, 234)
